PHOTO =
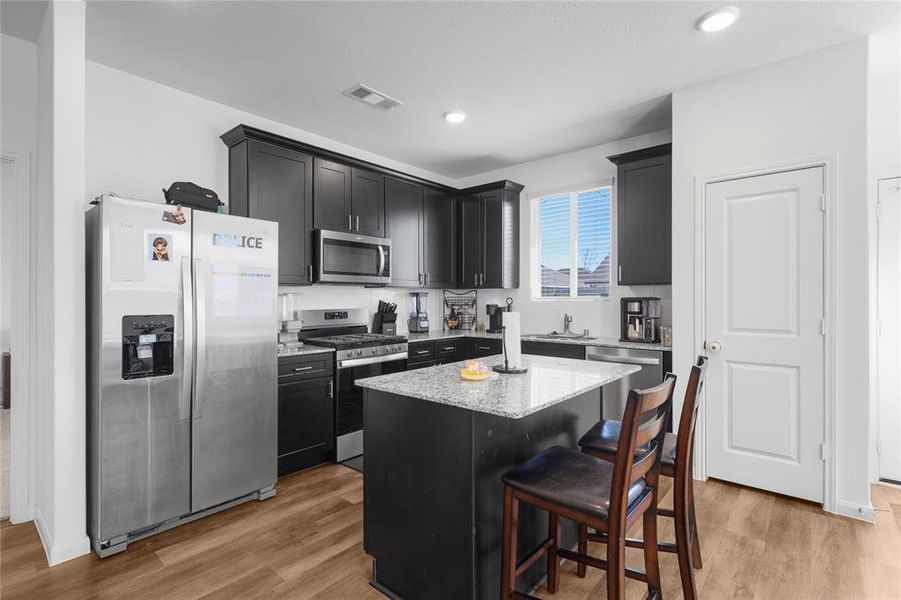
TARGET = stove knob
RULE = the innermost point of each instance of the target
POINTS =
(359, 353)
(374, 351)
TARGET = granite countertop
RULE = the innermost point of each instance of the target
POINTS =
(303, 350)
(548, 381)
(606, 342)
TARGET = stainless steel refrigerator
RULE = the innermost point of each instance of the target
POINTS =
(182, 366)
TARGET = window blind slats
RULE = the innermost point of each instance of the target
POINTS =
(593, 230)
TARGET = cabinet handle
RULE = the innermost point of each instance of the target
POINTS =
(350, 226)
(420, 279)
(302, 369)
(422, 352)
(331, 388)
(483, 347)
(449, 348)
(475, 279)
(310, 272)
(428, 279)
(620, 271)
(358, 222)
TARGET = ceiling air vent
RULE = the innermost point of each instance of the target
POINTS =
(369, 96)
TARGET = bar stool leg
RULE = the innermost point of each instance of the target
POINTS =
(681, 509)
(553, 575)
(651, 559)
(508, 549)
(693, 520)
(616, 566)
(582, 568)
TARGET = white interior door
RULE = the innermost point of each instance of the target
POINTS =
(889, 348)
(764, 311)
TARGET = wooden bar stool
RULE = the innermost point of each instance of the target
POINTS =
(609, 497)
(601, 441)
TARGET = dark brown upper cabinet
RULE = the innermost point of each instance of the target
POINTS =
(348, 198)
(403, 201)
(489, 236)
(331, 195)
(367, 202)
(275, 183)
(644, 216)
(439, 239)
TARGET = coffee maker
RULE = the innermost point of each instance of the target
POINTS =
(419, 316)
(495, 318)
(640, 320)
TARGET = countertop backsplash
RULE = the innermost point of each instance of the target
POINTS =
(601, 317)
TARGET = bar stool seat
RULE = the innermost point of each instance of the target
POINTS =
(567, 477)
(604, 436)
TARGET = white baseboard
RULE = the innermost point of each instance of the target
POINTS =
(59, 553)
(855, 511)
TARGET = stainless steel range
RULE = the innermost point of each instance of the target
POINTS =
(358, 354)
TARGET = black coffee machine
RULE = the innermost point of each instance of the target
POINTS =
(496, 316)
(640, 320)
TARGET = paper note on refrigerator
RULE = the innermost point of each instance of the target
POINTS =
(126, 244)
(513, 337)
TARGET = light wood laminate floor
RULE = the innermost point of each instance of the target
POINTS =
(307, 543)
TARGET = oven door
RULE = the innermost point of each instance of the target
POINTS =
(349, 405)
(350, 258)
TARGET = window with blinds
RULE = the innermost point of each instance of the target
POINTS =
(574, 240)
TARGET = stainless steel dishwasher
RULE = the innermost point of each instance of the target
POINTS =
(613, 395)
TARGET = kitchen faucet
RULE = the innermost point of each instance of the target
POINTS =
(567, 319)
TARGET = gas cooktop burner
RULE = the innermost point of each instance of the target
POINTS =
(356, 340)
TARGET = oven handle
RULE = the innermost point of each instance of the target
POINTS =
(371, 360)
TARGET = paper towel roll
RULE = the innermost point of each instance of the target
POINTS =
(513, 334)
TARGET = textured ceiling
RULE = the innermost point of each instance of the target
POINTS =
(537, 79)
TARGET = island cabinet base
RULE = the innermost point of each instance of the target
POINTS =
(433, 497)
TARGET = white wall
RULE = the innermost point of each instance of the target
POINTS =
(586, 166)
(143, 135)
(810, 106)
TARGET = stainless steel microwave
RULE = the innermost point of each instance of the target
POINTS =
(343, 257)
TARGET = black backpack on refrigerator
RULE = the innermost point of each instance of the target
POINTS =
(185, 193)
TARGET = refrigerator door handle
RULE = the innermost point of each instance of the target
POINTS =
(200, 351)
(187, 379)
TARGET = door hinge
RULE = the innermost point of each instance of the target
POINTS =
(822, 326)
(823, 203)
(823, 450)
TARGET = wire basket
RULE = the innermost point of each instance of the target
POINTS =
(460, 309)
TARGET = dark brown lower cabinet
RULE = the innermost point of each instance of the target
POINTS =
(306, 434)
(552, 349)
(479, 348)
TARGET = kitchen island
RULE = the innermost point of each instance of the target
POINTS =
(436, 448)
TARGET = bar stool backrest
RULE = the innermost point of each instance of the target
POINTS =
(689, 417)
(643, 425)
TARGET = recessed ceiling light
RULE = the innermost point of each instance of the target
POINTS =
(455, 116)
(719, 19)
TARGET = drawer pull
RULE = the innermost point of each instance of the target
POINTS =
(449, 348)
(301, 369)
(422, 352)
(483, 347)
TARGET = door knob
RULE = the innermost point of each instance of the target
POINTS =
(713, 347)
